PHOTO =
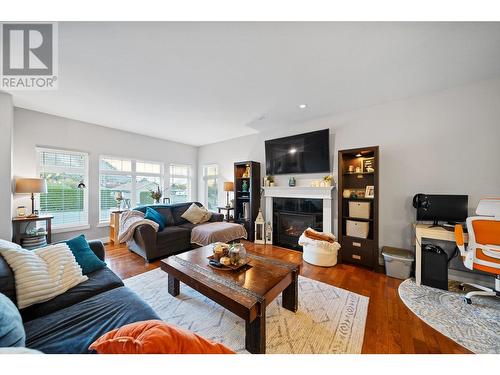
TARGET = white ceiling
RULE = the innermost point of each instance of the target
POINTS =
(200, 83)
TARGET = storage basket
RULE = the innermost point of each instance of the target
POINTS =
(359, 209)
(357, 228)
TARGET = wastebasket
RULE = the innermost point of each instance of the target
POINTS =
(397, 262)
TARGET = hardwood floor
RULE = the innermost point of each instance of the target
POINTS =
(390, 326)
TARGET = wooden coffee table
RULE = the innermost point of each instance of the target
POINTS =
(245, 292)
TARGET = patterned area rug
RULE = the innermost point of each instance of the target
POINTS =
(329, 319)
(476, 326)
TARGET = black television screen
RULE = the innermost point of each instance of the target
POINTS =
(451, 208)
(302, 153)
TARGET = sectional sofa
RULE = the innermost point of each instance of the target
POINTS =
(70, 322)
(175, 238)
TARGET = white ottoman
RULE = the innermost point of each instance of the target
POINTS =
(319, 253)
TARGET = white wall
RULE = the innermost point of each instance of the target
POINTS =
(6, 123)
(33, 129)
(444, 142)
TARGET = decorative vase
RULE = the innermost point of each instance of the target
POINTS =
(292, 182)
(244, 186)
(346, 193)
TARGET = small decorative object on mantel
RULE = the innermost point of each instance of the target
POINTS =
(260, 229)
(351, 169)
(370, 192)
(292, 182)
(328, 180)
(156, 194)
(269, 181)
(346, 193)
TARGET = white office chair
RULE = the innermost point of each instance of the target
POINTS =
(483, 250)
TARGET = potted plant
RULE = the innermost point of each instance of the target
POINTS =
(327, 180)
(156, 194)
(270, 180)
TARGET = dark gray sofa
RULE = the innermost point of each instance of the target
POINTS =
(70, 322)
(175, 238)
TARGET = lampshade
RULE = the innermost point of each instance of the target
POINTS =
(31, 185)
(228, 186)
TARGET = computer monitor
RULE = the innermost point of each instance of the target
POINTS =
(436, 208)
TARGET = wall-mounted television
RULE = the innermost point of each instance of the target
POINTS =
(302, 153)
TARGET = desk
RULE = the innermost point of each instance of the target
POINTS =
(436, 233)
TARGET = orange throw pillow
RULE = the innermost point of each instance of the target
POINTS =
(155, 337)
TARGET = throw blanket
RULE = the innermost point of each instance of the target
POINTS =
(208, 233)
(326, 241)
(42, 274)
(320, 236)
(130, 220)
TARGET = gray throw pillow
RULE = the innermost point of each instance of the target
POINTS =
(11, 324)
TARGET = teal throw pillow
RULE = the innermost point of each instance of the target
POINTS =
(11, 324)
(84, 255)
(152, 214)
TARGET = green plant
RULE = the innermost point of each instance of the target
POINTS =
(328, 178)
(270, 178)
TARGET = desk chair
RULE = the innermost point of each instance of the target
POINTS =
(483, 250)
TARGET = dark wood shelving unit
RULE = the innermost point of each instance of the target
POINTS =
(252, 196)
(357, 250)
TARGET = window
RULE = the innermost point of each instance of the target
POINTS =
(180, 183)
(210, 179)
(133, 179)
(63, 171)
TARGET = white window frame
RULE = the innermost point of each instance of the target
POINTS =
(210, 177)
(59, 228)
(133, 174)
(189, 178)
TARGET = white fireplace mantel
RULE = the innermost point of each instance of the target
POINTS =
(324, 193)
(299, 192)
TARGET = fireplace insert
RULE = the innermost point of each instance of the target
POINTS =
(292, 216)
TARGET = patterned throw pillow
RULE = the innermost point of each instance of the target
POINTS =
(155, 337)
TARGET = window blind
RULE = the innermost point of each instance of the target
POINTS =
(63, 171)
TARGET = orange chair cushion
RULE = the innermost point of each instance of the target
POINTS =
(155, 337)
(487, 232)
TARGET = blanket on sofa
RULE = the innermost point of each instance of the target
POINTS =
(130, 220)
(208, 233)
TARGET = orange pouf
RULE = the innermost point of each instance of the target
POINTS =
(155, 337)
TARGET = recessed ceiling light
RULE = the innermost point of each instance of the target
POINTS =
(293, 150)
(303, 106)
(358, 155)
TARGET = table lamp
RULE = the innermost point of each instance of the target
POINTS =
(228, 186)
(31, 186)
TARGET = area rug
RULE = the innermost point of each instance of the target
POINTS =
(329, 319)
(475, 327)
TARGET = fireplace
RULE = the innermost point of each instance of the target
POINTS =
(292, 216)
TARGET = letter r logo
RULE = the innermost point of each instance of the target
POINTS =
(27, 49)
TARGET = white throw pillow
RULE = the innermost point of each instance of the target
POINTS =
(196, 215)
(41, 274)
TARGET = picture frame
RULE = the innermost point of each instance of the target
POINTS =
(370, 191)
(368, 165)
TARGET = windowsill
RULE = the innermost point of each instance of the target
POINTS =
(103, 224)
(70, 229)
